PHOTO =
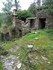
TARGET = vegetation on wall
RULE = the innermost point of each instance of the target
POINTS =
(22, 15)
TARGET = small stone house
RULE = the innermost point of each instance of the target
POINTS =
(44, 20)
(41, 21)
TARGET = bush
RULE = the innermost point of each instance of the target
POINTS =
(3, 52)
(22, 15)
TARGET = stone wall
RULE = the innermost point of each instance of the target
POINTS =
(48, 22)
(32, 23)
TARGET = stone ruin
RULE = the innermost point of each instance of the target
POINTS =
(20, 28)
(44, 20)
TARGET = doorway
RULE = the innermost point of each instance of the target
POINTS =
(42, 23)
(32, 21)
(20, 33)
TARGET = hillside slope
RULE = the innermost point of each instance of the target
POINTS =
(40, 56)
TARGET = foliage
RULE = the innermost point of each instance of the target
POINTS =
(7, 6)
(33, 9)
(49, 6)
(22, 15)
(7, 10)
(3, 51)
(1, 19)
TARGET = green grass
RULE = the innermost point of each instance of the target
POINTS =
(44, 43)
(1, 66)
(45, 39)
(21, 41)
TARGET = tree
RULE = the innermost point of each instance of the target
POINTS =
(17, 4)
(7, 10)
(32, 8)
(49, 6)
(1, 18)
(7, 6)
(38, 2)
(22, 15)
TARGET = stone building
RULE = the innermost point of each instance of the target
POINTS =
(41, 21)
(5, 33)
(32, 22)
(44, 20)
(20, 28)
(16, 30)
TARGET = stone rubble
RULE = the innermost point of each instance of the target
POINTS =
(49, 62)
(44, 58)
(36, 38)
(11, 63)
(30, 46)
(19, 65)
(36, 32)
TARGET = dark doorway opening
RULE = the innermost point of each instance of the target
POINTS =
(2, 36)
(20, 32)
(7, 36)
(42, 23)
(32, 21)
(13, 33)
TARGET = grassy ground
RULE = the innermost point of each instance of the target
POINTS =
(44, 43)
(45, 40)
(1, 66)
